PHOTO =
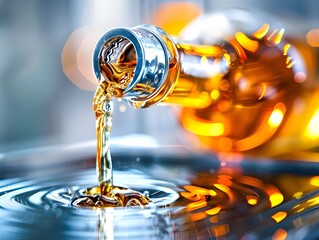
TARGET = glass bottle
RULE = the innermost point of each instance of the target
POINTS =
(243, 84)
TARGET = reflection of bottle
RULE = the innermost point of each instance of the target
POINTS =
(241, 83)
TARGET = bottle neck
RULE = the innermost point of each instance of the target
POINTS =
(140, 64)
(144, 66)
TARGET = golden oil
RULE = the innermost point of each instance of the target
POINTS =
(240, 91)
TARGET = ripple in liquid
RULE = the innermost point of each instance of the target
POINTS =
(210, 205)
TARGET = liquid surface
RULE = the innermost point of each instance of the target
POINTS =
(200, 197)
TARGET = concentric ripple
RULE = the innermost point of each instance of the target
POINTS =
(43, 194)
(188, 202)
(26, 204)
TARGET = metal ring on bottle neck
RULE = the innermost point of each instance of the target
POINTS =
(116, 33)
(152, 61)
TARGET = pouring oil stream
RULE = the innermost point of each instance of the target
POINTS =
(103, 108)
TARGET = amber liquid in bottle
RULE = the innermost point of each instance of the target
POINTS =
(241, 92)
(108, 195)
(252, 92)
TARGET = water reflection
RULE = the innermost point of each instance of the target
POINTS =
(247, 207)
(195, 197)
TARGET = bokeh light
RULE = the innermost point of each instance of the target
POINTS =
(77, 57)
(312, 37)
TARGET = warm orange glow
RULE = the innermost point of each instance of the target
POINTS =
(279, 36)
(279, 216)
(224, 85)
(214, 219)
(76, 57)
(276, 198)
(315, 181)
(300, 210)
(300, 77)
(312, 37)
(280, 234)
(225, 144)
(186, 46)
(206, 50)
(190, 196)
(200, 190)
(250, 181)
(296, 206)
(196, 205)
(214, 94)
(246, 42)
(298, 195)
(252, 200)
(262, 94)
(314, 201)
(291, 64)
(204, 60)
(225, 176)
(223, 105)
(174, 16)
(240, 51)
(227, 59)
(204, 128)
(204, 96)
(197, 216)
(300, 207)
(224, 181)
(276, 37)
(262, 31)
(221, 187)
(220, 230)
(286, 48)
(213, 211)
(312, 129)
(275, 118)
(277, 115)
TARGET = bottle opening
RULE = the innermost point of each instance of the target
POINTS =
(136, 62)
(117, 63)
(115, 58)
